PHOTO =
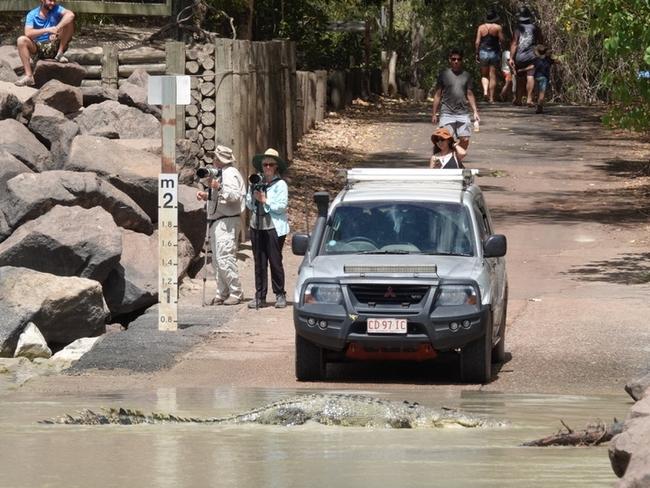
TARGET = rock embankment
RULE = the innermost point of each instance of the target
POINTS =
(78, 207)
(629, 452)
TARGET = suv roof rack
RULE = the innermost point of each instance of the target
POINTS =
(447, 178)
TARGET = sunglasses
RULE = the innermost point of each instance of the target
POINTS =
(455, 59)
(269, 165)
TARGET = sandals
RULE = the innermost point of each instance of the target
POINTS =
(60, 58)
(25, 81)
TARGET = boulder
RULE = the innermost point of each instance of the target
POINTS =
(9, 167)
(6, 72)
(25, 95)
(9, 56)
(192, 220)
(68, 73)
(65, 308)
(187, 161)
(55, 131)
(629, 454)
(134, 172)
(73, 351)
(10, 106)
(98, 94)
(31, 195)
(66, 241)
(186, 155)
(17, 140)
(133, 284)
(640, 408)
(134, 92)
(60, 96)
(639, 387)
(112, 117)
(31, 344)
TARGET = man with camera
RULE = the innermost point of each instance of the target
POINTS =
(225, 197)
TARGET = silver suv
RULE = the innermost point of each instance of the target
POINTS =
(404, 264)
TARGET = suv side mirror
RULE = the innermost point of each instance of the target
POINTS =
(299, 244)
(495, 246)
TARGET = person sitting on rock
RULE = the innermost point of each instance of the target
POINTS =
(48, 30)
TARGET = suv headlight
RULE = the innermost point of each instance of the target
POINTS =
(457, 295)
(323, 293)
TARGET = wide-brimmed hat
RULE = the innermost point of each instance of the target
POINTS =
(440, 133)
(269, 153)
(540, 51)
(524, 14)
(491, 16)
(224, 154)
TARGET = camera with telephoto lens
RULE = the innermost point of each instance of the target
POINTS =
(208, 173)
(257, 183)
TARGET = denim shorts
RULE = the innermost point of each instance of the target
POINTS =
(488, 57)
(542, 83)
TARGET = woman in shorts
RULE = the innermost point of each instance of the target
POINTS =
(489, 38)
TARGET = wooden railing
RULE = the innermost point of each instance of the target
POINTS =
(162, 8)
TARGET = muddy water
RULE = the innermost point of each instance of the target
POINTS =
(35, 455)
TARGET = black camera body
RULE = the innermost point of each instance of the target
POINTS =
(257, 183)
(208, 172)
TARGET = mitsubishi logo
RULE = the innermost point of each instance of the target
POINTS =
(390, 293)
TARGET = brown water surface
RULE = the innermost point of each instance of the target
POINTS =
(246, 456)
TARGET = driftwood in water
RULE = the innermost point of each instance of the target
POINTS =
(593, 435)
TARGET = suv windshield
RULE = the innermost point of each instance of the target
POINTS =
(399, 228)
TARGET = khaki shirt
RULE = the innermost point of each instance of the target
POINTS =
(229, 200)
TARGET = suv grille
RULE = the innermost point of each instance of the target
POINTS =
(389, 294)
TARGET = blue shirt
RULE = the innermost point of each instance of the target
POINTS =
(277, 200)
(35, 21)
(543, 67)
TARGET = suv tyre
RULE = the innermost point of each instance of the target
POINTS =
(475, 359)
(310, 361)
(499, 351)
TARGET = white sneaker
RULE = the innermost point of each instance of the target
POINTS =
(25, 81)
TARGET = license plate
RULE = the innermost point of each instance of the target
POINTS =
(386, 326)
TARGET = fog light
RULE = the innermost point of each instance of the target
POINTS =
(454, 326)
(466, 324)
(322, 324)
(311, 321)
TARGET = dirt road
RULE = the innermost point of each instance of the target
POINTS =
(578, 227)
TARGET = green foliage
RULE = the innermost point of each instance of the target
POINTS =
(621, 26)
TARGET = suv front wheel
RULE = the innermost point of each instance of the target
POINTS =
(476, 359)
(310, 361)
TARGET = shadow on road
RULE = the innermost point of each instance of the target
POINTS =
(627, 269)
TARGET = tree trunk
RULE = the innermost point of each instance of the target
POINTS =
(392, 74)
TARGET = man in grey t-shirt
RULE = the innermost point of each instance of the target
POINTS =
(454, 97)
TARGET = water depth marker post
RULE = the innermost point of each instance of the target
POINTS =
(168, 91)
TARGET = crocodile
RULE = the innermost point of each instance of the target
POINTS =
(346, 410)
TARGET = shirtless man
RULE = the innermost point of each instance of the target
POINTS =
(48, 30)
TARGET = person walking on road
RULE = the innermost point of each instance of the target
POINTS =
(542, 75)
(225, 205)
(489, 38)
(522, 49)
(447, 153)
(453, 98)
(48, 30)
(268, 200)
(506, 70)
